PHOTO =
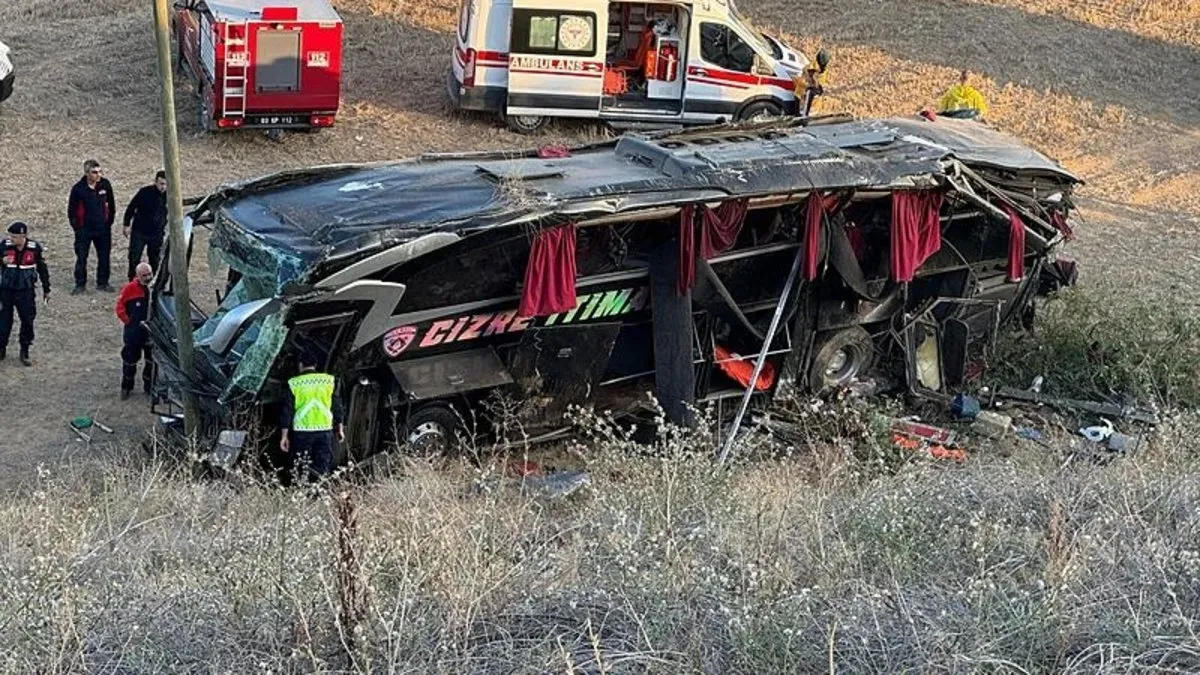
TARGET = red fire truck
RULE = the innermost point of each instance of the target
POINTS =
(262, 64)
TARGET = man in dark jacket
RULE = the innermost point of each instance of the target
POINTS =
(145, 222)
(21, 267)
(91, 210)
(132, 306)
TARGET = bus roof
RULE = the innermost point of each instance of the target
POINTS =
(345, 210)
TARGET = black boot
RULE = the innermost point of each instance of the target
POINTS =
(25, 356)
(128, 371)
(3, 353)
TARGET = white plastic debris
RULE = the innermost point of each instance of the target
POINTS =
(1099, 433)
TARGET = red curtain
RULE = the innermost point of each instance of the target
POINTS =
(814, 219)
(1016, 246)
(1059, 220)
(550, 273)
(687, 250)
(719, 229)
(916, 231)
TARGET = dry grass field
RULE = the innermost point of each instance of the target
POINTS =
(1018, 562)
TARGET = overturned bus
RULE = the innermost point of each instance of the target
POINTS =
(648, 264)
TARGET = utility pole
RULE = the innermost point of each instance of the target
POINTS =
(177, 244)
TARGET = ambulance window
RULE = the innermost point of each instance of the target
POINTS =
(721, 46)
(551, 32)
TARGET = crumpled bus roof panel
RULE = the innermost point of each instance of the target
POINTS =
(339, 210)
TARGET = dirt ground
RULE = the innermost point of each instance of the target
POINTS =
(1106, 86)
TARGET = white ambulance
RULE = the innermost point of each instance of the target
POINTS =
(632, 64)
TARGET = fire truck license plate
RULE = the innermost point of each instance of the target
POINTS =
(267, 120)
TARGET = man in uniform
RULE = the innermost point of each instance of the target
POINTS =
(145, 221)
(91, 210)
(21, 267)
(308, 419)
(132, 306)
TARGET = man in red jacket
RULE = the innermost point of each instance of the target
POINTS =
(132, 305)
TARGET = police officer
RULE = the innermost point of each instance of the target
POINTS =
(131, 310)
(309, 416)
(21, 266)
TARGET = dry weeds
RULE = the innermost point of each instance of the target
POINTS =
(1023, 564)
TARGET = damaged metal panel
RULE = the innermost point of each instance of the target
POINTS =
(295, 220)
(458, 372)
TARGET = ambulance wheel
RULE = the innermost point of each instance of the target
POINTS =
(839, 357)
(760, 109)
(526, 124)
(429, 430)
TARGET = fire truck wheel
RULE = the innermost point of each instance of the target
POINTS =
(760, 109)
(429, 430)
(840, 356)
(526, 124)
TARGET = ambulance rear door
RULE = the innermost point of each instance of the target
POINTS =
(555, 64)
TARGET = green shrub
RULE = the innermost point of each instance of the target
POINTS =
(1104, 343)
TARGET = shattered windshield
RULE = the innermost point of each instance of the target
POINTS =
(254, 350)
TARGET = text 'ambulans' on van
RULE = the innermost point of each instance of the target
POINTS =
(628, 63)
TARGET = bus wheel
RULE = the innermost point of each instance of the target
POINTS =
(430, 429)
(839, 357)
(526, 124)
(760, 109)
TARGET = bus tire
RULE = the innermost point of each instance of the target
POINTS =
(430, 429)
(526, 124)
(839, 357)
(760, 109)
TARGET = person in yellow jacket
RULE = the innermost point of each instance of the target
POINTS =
(963, 97)
(811, 85)
(310, 415)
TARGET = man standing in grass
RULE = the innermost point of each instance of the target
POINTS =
(308, 418)
(145, 222)
(91, 210)
(132, 307)
(963, 100)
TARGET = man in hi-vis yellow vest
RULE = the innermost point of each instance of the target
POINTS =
(310, 415)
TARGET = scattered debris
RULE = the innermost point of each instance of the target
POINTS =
(557, 485)
(1031, 434)
(1099, 433)
(1122, 443)
(937, 451)
(1036, 385)
(82, 423)
(991, 424)
(1106, 409)
(964, 407)
(924, 432)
